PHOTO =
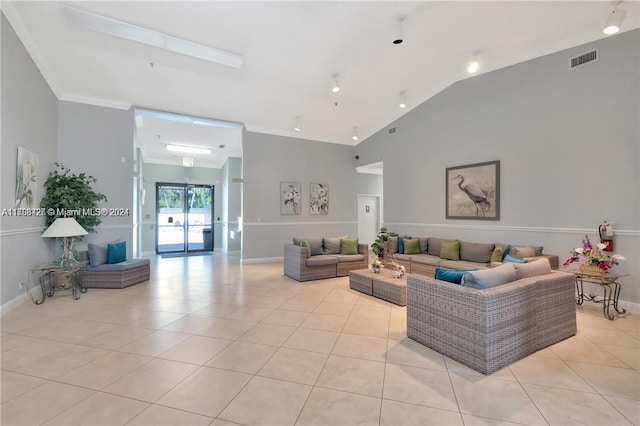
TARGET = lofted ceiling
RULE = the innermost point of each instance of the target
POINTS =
(290, 51)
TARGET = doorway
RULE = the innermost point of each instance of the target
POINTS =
(184, 218)
(368, 218)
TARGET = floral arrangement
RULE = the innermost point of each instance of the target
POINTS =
(590, 255)
(398, 270)
(376, 265)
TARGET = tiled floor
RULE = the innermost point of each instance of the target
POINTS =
(210, 342)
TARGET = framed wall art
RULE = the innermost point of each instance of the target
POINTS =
(318, 198)
(473, 191)
(290, 198)
(26, 178)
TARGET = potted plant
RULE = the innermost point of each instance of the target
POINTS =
(378, 245)
(71, 195)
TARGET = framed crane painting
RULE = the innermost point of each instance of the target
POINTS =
(473, 191)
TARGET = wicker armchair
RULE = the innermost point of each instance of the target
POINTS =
(489, 329)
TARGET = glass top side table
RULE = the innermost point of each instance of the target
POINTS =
(54, 276)
(610, 287)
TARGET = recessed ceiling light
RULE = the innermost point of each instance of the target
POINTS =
(403, 100)
(298, 126)
(143, 35)
(473, 66)
(355, 136)
(614, 21)
(336, 85)
(188, 149)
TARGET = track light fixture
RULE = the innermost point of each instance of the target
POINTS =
(398, 36)
(355, 134)
(298, 125)
(474, 65)
(336, 85)
(403, 100)
(614, 20)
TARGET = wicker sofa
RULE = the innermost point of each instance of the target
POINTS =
(325, 260)
(471, 255)
(491, 328)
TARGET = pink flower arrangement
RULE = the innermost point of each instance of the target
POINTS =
(398, 270)
(590, 255)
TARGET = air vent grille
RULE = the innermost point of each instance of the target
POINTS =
(392, 130)
(579, 60)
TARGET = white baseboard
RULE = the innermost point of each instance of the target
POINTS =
(14, 303)
(262, 260)
(632, 308)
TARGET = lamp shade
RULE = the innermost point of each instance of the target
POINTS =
(64, 227)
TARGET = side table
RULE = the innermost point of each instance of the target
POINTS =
(49, 273)
(610, 286)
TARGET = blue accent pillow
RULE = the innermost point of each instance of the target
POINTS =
(450, 275)
(400, 245)
(117, 252)
(508, 258)
(506, 252)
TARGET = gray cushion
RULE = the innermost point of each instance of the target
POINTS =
(315, 244)
(461, 264)
(476, 252)
(392, 244)
(426, 259)
(434, 246)
(488, 278)
(520, 252)
(122, 266)
(424, 245)
(98, 252)
(322, 259)
(402, 256)
(533, 269)
(331, 245)
(349, 258)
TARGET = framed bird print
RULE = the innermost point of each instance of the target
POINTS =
(473, 191)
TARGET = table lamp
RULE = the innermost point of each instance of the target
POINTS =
(66, 228)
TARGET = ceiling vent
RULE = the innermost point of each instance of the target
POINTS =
(579, 60)
(392, 130)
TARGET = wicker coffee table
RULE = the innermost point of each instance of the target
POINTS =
(391, 289)
(381, 285)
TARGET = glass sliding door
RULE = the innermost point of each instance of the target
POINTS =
(183, 218)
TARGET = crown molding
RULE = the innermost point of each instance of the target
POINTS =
(108, 103)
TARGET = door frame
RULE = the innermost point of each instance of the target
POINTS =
(185, 200)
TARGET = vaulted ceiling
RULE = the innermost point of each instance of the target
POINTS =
(291, 50)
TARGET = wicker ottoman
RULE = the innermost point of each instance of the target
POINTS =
(391, 289)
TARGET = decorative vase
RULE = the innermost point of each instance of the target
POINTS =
(589, 268)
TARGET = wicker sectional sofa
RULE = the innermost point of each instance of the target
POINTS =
(491, 328)
(117, 275)
(325, 260)
(471, 255)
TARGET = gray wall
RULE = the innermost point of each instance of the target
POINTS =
(568, 142)
(29, 119)
(153, 173)
(269, 160)
(94, 140)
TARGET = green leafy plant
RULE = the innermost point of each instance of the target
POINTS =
(71, 195)
(378, 245)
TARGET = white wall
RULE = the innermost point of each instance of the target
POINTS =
(568, 142)
(95, 140)
(29, 119)
(269, 160)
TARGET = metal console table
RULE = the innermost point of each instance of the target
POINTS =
(610, 286)
(50, 273)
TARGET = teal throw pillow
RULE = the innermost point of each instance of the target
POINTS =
(508, 258)
(506, 251)
(116, 252)
(450, 275)
(401, 245)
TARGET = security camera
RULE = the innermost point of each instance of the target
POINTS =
(357, 157)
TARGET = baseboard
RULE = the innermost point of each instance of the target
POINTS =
(632, 308)
(14, 303)
(262, 260)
